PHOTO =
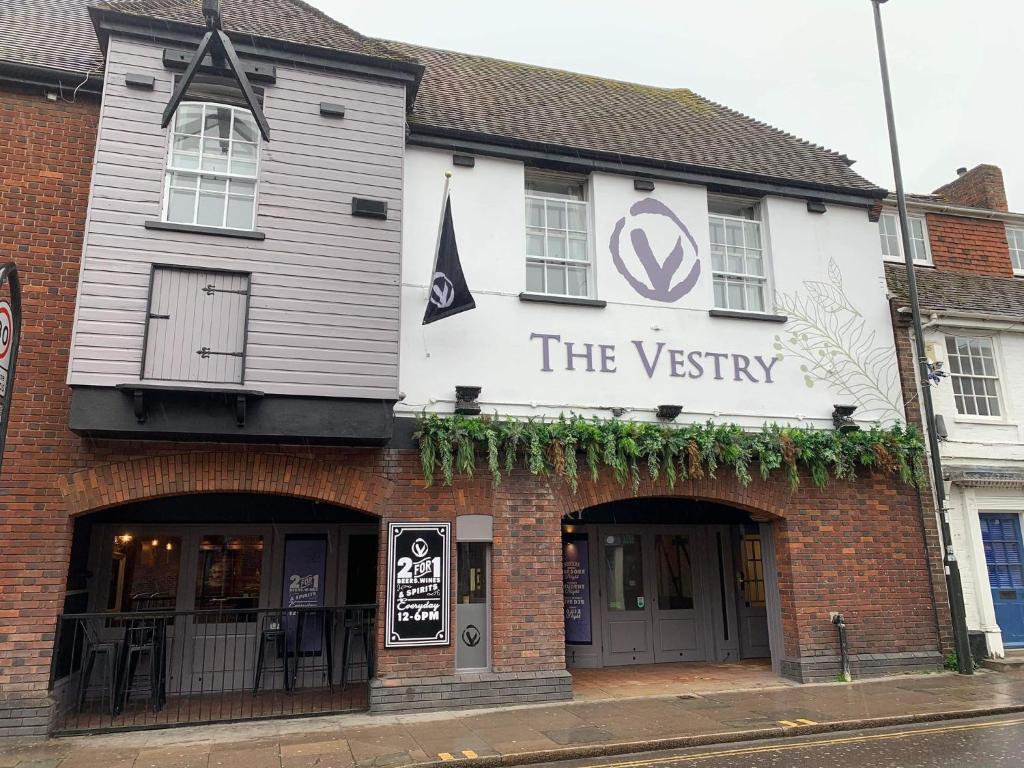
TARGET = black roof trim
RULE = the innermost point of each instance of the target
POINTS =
(585, 161)
(408, 73)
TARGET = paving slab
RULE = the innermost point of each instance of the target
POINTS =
(482, 738)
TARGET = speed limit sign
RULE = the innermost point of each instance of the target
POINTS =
(6, 345)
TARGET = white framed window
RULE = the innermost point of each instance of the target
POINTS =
(212, 165)
(972, 371)
(558, 258)
(1015, 237)
(892, 244)
(739, 263)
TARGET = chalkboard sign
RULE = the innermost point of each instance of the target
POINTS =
(419, 575)
(576, 588)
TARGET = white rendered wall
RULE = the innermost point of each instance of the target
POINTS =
(825, 268)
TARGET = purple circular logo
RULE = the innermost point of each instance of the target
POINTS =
(659, 258)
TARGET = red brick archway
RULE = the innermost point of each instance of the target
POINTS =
(769, 498)
(150, 477)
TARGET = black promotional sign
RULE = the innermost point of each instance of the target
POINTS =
(419, 573)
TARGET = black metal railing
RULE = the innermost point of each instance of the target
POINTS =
(161, 667)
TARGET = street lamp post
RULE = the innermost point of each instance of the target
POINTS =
(961, 640)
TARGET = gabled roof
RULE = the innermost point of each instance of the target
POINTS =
(940, 291)
(490, 99)
(49, 34)
(290, 21)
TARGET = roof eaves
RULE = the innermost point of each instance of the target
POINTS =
(572, 153)
(103, 16)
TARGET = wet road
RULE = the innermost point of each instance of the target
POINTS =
(992, 742)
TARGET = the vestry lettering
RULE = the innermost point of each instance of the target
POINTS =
(656, 358)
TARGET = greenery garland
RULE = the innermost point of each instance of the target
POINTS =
(450, 444)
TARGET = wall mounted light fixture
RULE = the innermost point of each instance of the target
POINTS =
(466, 400)
(842, 418)
(669, 412)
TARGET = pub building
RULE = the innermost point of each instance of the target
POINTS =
(222, 510)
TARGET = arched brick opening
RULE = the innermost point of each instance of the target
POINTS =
(150, 477)
(762, 498)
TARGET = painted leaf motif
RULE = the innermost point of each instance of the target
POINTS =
(831, 298)
(834, 274)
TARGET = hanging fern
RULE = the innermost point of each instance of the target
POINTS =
(450, 444)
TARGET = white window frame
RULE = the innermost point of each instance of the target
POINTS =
(765, 279)
(995, 378)
(170, 170)
(898, 256)
(1015, 240)
(588, 263)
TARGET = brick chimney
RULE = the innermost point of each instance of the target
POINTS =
(980, 187)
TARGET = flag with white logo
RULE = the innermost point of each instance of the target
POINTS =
(449, 293)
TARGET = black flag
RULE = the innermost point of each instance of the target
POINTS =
(449, 293)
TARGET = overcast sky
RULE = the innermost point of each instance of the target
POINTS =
(806, 66)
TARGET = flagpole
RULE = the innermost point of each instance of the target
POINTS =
(440, 223)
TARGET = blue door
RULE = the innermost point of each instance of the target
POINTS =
(1003, 554)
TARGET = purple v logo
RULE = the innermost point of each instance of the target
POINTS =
(660, 276)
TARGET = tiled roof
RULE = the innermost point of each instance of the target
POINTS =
(53, 34)
(493, 99)
(940, 291)
(291, 21)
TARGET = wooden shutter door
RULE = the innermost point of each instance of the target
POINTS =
(196, 326)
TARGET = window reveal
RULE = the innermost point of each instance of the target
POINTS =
(972, 369)
(557, 236)
(738, 262)
(212, 167)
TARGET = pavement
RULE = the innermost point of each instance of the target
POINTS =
(588, 728)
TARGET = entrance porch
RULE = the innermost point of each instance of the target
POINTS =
(683, 679)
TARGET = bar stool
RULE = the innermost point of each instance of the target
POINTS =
(358, 626)
(322, 628)
(94, 648)
(271, 630)
(143, 642)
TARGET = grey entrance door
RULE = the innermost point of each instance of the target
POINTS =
(678, 631)
(750, 603)
(472, 612)
(627, 609)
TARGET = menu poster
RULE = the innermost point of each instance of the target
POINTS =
(305, 568)
(576, 586)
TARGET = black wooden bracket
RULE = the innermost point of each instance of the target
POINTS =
(219, 46)
(139, 404)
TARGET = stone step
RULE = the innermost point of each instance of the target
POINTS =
(1013, 663)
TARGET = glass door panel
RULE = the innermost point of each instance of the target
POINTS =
(678, 633)
(627, 610)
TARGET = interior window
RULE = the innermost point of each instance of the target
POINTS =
(144, 572)
(229, 574)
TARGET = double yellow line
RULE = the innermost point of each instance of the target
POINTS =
(668, 760)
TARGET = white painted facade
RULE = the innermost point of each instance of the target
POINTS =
(984, 456)
(836, 346)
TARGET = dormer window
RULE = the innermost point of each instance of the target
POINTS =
(212, 167)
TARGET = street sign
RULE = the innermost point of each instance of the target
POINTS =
(6, 345)
(10, 334)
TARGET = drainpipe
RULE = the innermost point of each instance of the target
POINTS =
(844, 648)
(961, 640)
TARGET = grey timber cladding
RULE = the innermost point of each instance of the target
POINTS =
(323, 315)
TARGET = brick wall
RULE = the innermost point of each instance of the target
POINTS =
(46, 153)
(974, 246)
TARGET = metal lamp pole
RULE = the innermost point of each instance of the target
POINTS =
(961, 640)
